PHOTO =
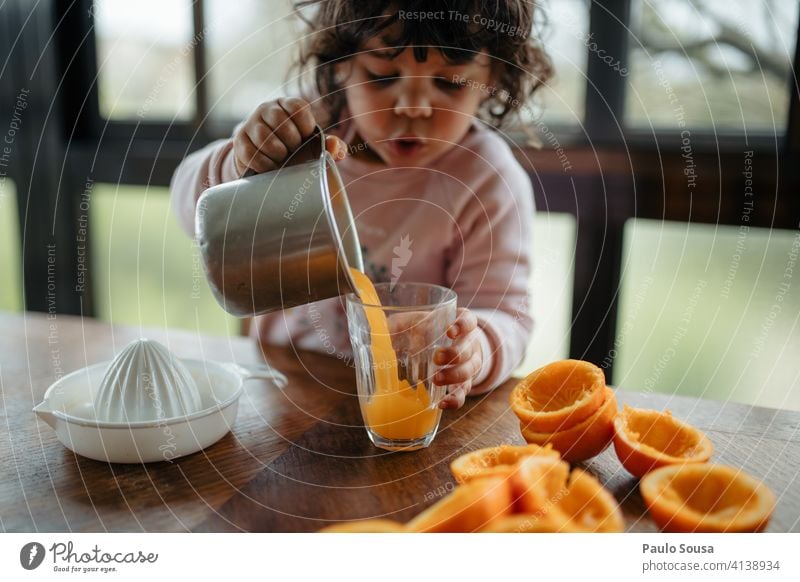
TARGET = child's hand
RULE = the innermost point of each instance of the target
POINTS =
(273, 131)
(463, 359)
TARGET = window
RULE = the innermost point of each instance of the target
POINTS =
(186, 61)
(717, 64)
(145, 59)
(10, 250)
(720, 64)
(566, 41)
(710, 311)
(147, 271)
(249, 58)
(551, 289)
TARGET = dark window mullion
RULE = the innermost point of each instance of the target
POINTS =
(789, 184)
(200, 63)
(605, 90)
(792, 140)
(601, 217)
(77, 65)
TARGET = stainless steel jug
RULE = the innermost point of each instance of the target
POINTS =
(279, 239)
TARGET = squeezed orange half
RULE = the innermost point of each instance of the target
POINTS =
(396, 410)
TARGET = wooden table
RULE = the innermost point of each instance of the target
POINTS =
(299, 457)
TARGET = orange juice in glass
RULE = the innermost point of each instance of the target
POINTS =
(394, 332)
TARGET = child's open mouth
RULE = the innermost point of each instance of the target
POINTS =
(406, 146)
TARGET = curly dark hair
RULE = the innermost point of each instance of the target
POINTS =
(508, 30)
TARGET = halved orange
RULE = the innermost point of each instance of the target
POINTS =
(494, 461)
(584, 440)
(546, 490)
(590, 506)
(558, 396)
(648, 439)
(522, 523)
(470, 507)
(366, 526)
(537, 484)
(706, 498)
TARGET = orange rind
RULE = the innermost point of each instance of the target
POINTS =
(522, 523)
(553, 499)
(470, 507)
(648, 439)
(701, 497)
(494, 461)
(558, 396)
(366, 526)
(584, 440)
(589, 506)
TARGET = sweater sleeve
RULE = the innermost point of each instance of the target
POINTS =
(212, 165)
(490, 268)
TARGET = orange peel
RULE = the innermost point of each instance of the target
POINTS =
(494, 461)
(702, 497)
(470, 507)
(590, 506)
(648, 439)
(551, 497)
(558, 395)
(587, 438)
(366, 526)
(522, 523)
(538, 484)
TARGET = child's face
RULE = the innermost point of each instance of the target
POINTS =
(411, 113)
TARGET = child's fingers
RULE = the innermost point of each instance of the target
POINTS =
(247, 156)
(465, 322)
(271, 133)
(279, 122)
(336, 147)
(455, 398)
(266, 143)
(459, 352)
(460, 373)
(300, 113)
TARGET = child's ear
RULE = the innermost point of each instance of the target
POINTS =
(341, 71)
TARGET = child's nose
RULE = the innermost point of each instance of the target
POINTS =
(413, 104)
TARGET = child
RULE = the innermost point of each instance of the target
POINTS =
(437, 196)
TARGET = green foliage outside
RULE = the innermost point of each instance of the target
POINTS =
(710, 311)
(146, 270)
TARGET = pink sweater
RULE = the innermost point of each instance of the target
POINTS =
(465, 223)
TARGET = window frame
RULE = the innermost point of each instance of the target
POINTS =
(604, 100)
(82, 144)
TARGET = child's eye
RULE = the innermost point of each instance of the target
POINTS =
(382, 79)
(443, 83)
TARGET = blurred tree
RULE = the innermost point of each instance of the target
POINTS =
(758, 40)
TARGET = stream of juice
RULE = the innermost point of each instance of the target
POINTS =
(396, 410)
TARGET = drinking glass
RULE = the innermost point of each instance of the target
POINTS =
(393, 346)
